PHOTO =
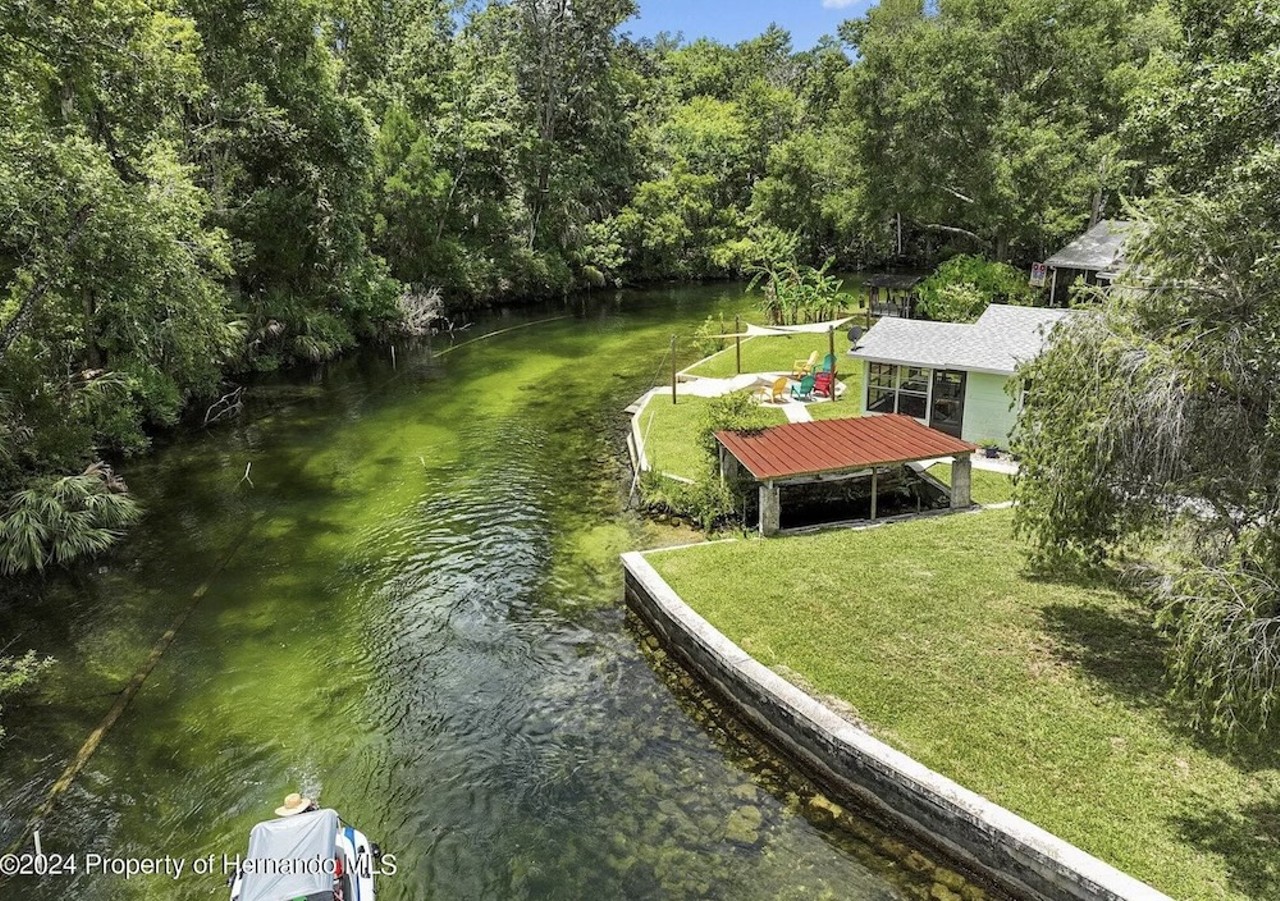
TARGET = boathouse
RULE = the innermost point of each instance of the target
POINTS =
(847, 469)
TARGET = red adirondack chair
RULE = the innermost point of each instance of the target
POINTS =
(822, 383)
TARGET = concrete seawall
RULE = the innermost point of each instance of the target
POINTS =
(1013, 853)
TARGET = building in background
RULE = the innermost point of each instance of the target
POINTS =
(1096, 258)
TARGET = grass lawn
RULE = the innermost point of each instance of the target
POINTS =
(849, 405)
(1043, 695)
(771, 354)
(987, 488)
(671, 445)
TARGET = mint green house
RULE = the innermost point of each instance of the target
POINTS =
(952, 376)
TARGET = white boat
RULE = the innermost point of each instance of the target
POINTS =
(306, 857)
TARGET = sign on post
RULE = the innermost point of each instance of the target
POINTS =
(1038, 275)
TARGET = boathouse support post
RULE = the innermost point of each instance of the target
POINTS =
(961, 482)
(770, 509)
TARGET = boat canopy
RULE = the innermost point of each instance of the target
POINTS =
(291, 858)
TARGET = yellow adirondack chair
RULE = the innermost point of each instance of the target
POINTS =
(776, 393)
(801, 368)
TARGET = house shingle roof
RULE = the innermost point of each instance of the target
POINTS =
(1003, 337)
(1100, 249)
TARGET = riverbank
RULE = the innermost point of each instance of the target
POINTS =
(1044, 696)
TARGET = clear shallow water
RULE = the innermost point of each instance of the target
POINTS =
(423, 628)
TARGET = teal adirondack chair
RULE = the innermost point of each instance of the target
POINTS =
(828, 363)
(804, 390)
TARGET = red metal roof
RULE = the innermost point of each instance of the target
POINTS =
(834, 445)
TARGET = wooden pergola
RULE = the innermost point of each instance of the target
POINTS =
(839, 449)
(886, 304)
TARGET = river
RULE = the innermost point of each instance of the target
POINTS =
(413, 613)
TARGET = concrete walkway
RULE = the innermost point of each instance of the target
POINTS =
(1000, 464)
(796, 411)
(700, 386)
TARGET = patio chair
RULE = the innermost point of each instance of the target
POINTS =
(804, 390)
(828, 364)
(801, 368)
(775, 393)
(823, 384)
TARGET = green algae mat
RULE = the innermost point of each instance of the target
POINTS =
(1043, 695)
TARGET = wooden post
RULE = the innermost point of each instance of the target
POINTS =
(737, 341)
(770, 509)
(673, 369)
(875, 488)
(831, 344)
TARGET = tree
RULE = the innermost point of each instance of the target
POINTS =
(109, 267)
(1154, 419)
(990, 126)
(965, 285)
(794, 293)
(562, 61)
(286, 157)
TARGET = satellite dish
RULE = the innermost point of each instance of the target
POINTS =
(854, 334)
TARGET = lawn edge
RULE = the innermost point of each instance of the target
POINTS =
(848, 761)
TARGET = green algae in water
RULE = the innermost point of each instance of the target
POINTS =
(423, 629)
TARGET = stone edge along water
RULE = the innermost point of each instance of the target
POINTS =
(1015, 854)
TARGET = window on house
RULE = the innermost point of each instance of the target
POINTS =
(881, 387)
(898, 389)
(913, 391)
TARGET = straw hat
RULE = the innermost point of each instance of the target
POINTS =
(293, 804)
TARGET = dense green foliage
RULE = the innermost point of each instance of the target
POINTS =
(995, 126)
(192, 189)
(1157, 415)
(56, 521)
(965, 285)
(795, 294)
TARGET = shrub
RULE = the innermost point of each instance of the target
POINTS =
(58, 521)
(735, 412)
(965, 285)
(709, 338)
(708, 501)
